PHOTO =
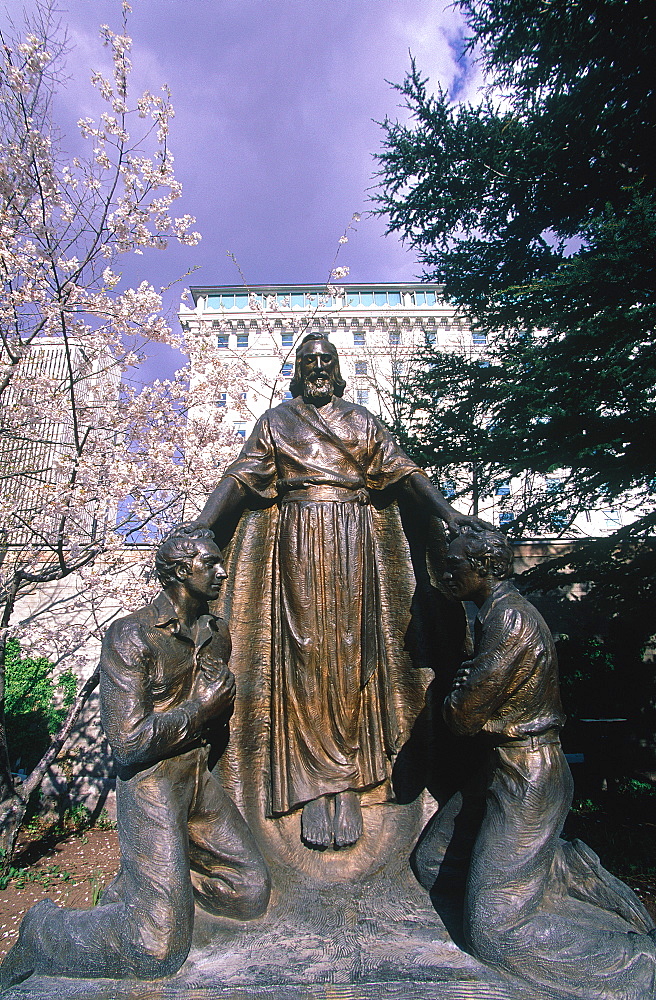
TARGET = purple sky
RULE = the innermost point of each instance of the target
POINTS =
(274, 134)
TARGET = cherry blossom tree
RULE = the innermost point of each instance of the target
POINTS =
(90, 464)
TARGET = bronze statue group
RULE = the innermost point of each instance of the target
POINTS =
(534, 905)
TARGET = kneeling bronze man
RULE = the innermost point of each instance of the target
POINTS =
(534, 905)
(165, 688)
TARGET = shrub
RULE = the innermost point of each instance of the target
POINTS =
(36, 701)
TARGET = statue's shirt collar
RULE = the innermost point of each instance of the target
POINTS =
(200, 633)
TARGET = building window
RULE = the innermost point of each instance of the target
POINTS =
(243, 396)
(430, 337)
(221, 399)
(506, 516)
(362, 396)
(240, 428)
(479, 338)
(222, 341)
(287, 395)
(358, 338)
(397, 367)
(502, 489)
(425, 298)
(216, 324)
(287, 339)
(559, 521)
(287, 369)
(394, 337)
(360, 367)
(448, 489)
(242, 340)
(228, 301)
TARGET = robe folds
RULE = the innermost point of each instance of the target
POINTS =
(332, 711)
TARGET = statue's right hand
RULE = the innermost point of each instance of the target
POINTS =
(459, 521)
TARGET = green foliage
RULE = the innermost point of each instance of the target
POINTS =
(105, 822)
(637, 790)
(500, 187)
(588, 679)
(607, 677)
(537, 211)
(36, 703)
(96, 889)
(75, 820)
(584, 807)
(48, 876)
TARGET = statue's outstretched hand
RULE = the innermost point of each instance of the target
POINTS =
(186, 528)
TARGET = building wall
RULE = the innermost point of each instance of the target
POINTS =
(36, 420)
(376, 328)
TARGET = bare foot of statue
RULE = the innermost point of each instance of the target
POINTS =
(317, 822)
(348, 819)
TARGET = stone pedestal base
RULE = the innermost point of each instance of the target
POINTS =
(59, 989)
(377, 940)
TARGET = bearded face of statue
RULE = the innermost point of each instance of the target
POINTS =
(318, 362)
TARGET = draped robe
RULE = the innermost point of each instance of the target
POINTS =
(332, 722)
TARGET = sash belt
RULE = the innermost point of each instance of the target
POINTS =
(331, 494)
(529, 741)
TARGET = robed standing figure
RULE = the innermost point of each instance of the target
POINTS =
(332, 715)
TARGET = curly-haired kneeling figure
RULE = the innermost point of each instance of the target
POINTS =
(534, 905)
